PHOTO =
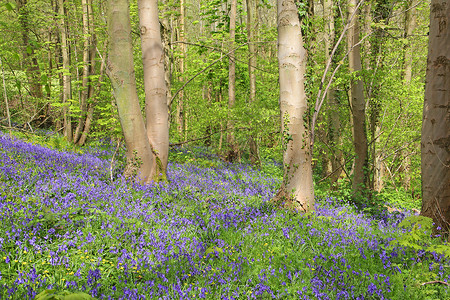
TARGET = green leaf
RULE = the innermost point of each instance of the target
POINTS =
(10, 6)
(47, 295)
(213, 249)
(78, 296)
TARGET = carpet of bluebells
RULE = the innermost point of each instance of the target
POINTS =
(71, 222)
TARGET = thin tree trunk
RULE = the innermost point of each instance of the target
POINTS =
(220, 99)
(8, 115)
(66, 78)
(120, 70)
(358, 105)
(180, 105)
(335, 136)
(379, 169)
(233, 151)
(296, 190)
(410, 25)
(86, 87)
(91, 107)
(58, 61)
(252, 25)
(166, 32)
(156, 109)
(29, 57)
(435, 143)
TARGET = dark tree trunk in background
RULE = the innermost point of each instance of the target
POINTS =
(66, 78)
(252, 24)
(231, 140)
(358, 105)
(29, 56)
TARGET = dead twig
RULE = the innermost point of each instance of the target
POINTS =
(435, 281)
(112, 160)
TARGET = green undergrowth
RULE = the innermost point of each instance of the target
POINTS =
(245, 248)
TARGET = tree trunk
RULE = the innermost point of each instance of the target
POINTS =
(296, 190)
(251, 30)
(334, 135)
(88, 63)
(166, 38)
(180, 114)
(233, 150)
(66, 78)
(358, 105)
(120, 70)
(29, 57)
(435, 143)
(8, 115)
(410, 25)
(379, 169)
(91, 107)
(156, 109)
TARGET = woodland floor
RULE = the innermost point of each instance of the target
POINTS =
(71, 223)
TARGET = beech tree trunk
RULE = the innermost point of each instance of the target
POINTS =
(29, 57)
(435, 144)
(410, 25)
(296, 191)
(5, 95)
(91, 106)
(180, 114)
(334, 134)
(251, 30)
(66, 78)
(233, 151)
(88, 67)
(120, 70)
(156, 109)
(358, 105)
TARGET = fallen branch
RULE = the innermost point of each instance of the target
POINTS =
(112, 160)
(435, 281)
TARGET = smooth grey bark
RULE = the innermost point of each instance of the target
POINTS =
(410, 25)
(8, 115)
(233, 151)
(358, 105)
(166, 38)
(88, 67)
(66, 77)
(29, 57)
(91, 106)
(252, 25)
(334, 133)
(156, 109)
(120, 70)
(435, 144)
(180, 117)
(296, 191)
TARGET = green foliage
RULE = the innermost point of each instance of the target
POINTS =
(62, 295)
(50, 140)
(418, 231)
(417, 235)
